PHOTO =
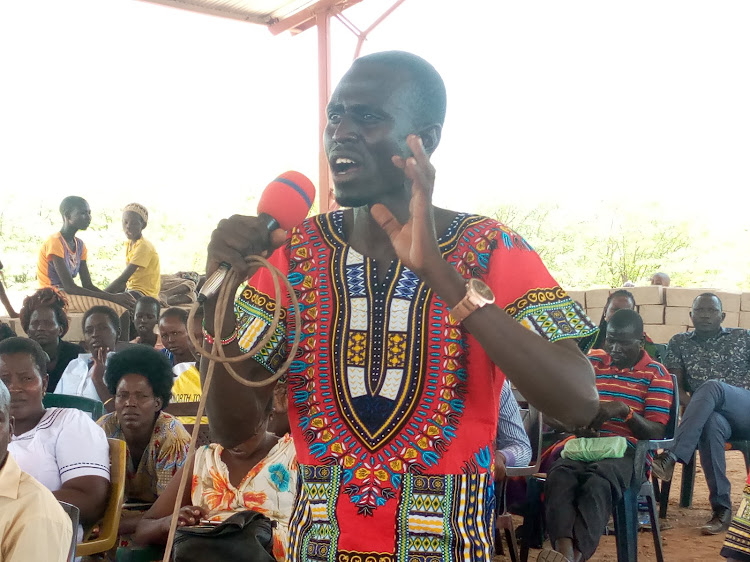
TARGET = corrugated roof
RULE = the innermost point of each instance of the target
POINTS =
(263, 12)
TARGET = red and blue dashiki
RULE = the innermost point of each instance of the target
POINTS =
(393, 406)
(647, 388)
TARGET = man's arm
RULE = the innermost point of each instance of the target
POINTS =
(555, 377)
(120, 284)
(6, 302)
(236, 410)
(640, 426)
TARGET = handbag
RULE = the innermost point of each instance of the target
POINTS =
(590, 449)
(245, 536)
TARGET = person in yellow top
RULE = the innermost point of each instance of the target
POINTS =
(142, 274)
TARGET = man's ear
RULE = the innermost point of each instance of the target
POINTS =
(431, 137)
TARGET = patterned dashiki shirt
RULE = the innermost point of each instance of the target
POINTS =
(393, 405)
(724, 357)
(737, 541)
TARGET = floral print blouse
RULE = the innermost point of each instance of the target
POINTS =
(269, 488)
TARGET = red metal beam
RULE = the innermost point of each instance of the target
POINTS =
(301, 20)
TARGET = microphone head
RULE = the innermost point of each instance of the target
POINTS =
(288, 199)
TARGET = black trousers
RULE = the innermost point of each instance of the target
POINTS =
(579, 498)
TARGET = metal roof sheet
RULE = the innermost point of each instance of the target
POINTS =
(263, 12)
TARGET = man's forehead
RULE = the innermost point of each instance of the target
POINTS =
(368, 82)
(707, 302)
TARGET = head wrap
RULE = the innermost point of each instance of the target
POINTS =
(139, 210)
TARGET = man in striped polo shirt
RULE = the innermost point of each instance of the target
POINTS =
(635, 395)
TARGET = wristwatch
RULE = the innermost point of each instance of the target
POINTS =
(478, 294)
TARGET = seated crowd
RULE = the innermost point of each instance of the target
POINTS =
(136, 373)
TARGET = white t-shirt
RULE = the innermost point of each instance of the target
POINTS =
(76, 380)
(65, 444)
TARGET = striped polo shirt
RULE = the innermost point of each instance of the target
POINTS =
(647, 388)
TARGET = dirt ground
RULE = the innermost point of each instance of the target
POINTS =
(682, 542)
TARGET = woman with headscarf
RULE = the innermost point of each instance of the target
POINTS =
(142, 274)
(45, 321)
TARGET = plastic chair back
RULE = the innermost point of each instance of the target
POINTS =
(111, 521)
(93, 407)
(74, 514)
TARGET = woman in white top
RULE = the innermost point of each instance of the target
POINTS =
(84, 376)
(62, 448)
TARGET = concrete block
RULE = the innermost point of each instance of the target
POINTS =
(595, 314)
(597, 298)
(579, 296)
(676, 315)
(652, 294)
(681, 296)
(744, 320)
(662, 333)
(730, 300)
(732, 320)
(75, 331)
(745, 302)
(651, 313)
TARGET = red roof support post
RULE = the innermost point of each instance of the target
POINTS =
(323, 23)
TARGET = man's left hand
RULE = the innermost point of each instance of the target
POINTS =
(415, 242)
(609, 410)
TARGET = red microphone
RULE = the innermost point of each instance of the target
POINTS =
(284, 203)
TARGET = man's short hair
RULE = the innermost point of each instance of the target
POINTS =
(70, 203)
(176, 312)
(626, 319)
(711, 296)
(25, 345)
(102, 309)
(149, 301)
(429, 88)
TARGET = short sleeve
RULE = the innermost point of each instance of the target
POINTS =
(172, 453)
(526, 290)
(254, 308)
(54, 247)
(659, 397)
(84, 251)
(673, 359)
(142, 255)
(82, 448)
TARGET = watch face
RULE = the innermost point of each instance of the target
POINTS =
(481, 290)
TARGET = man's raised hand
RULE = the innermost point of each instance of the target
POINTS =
(415, 242)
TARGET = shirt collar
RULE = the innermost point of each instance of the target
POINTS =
(10, 478)
(722, 332)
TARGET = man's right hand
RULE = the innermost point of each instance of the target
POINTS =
(124, 299)
(240, 236)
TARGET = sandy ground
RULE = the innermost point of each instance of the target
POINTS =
(683, 542)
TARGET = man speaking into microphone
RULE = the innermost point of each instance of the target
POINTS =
(412, 316)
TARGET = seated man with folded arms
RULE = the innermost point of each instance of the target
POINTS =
(146, 318)
(142, 274)
(714, 365)
(33, 526)
(63, 257)
(635, 398)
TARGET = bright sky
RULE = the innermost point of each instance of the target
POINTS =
(547, 99)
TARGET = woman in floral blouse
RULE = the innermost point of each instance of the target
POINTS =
(259, 474)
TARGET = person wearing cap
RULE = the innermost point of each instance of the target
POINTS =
(142, 274)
